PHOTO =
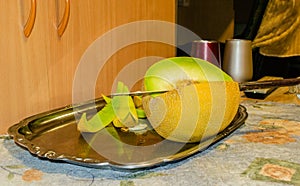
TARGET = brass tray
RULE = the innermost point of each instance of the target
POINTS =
(53, 136)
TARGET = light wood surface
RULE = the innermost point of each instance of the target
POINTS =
(23, 72)
(37, 72)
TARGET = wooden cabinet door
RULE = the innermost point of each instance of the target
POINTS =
(91, 20)
(37, 73)
(23, 71)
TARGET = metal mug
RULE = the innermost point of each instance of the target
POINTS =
(207, 50)
(237, 59)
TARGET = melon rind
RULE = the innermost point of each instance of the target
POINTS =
(195, 111)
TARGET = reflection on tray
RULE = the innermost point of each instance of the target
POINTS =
(53, 135)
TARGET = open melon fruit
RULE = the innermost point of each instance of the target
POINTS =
(202, 100)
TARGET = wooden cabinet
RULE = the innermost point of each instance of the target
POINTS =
(37, 72)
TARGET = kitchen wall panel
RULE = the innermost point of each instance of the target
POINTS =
(37, 72)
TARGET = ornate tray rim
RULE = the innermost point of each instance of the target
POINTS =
(21, 140)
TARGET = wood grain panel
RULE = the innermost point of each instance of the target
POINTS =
(37, 73)
(23, 81)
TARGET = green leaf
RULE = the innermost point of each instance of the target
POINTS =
(124, 107)
(121, 108)
(141, 113)
(103, 118)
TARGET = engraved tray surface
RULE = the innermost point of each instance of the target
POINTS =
(53, 135)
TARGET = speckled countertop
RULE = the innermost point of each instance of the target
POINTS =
(265, 151)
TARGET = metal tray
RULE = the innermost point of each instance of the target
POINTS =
(53, 135)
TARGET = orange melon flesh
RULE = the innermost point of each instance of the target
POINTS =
(193, 112)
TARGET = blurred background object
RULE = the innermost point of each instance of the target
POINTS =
(272, 25)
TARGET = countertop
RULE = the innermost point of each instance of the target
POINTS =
(264, 151)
